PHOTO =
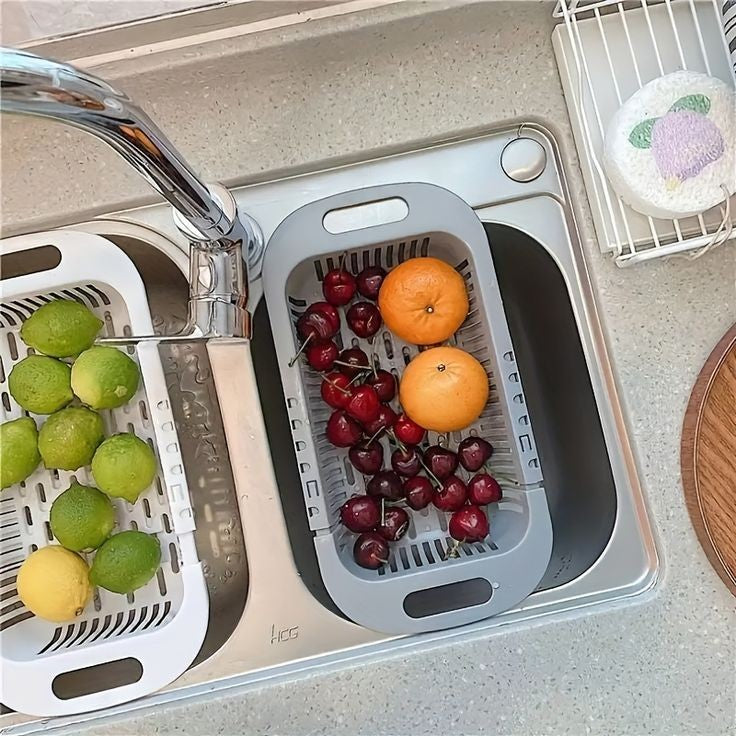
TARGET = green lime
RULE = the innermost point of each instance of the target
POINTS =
(126, 561)
(105, 377)
(61, 328)
(68, 439)
(124, 466)
(18, 450)
(82, 518)
(41, 384)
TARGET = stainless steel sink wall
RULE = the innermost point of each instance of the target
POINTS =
(604, 548)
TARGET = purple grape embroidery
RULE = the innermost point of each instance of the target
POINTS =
(683, 141)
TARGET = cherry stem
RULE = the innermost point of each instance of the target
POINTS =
(341, 262)
(383, 511)
(397, 441)
(352, 365)
(355, 379)
(301, 349)
(339, 388)
(431, 475)
(378, 431)
(452, 552)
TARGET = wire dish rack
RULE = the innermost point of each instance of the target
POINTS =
(149, 637)
(606, 51)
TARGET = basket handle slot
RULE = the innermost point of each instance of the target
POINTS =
(26, 262)
(449, 597)
(97, 678)
(368, 214)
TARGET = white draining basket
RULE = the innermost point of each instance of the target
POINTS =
(606, 50)
(420, 589)
(161, 625)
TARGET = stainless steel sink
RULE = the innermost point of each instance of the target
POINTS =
(271, 616)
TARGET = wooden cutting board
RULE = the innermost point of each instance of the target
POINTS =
(708, 458)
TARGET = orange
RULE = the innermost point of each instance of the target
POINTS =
(423, 301)
(444, 389)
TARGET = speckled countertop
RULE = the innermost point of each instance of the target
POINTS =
(664, 664)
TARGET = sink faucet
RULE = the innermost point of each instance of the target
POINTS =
(218, 235)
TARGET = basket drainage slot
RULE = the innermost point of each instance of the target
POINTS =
(450, 597)
(98, 677)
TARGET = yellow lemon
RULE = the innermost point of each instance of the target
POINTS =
(54, 584)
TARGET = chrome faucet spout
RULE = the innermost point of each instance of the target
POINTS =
(207, 216)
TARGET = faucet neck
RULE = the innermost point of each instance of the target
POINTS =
(49, 89)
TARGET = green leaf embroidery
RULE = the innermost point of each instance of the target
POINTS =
(641, 135)
(696, 103)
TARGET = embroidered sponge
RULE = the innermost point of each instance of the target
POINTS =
(672, 145)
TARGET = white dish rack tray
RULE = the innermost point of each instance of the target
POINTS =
(606, 50)
(161, 625)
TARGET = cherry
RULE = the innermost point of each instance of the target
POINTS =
(360, 514)
(335, 390)
(339, 286)
(363, 404)
(452, 495)
(370, 280)
(469, 524)
(441, 462)
(384, 383)
(353, 361)
(343, 430)
(408, 431)
(364, 319)
(406, 462)
(328, 311)
(366, 457)
(321, 354)
(394, 525)
(484, 489)
(418, 492)
(385, 420)
(371, 550)
(473, 453)
(321, 320)
(386, 484)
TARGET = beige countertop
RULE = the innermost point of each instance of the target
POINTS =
(245, 109)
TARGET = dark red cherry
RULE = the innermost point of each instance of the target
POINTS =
(484, 489)
(339, 287)
(366, 457)
(369, 281)
(364, 404)
(371, 550)
(406, 462)
(385, 420)
(394, 525)
(418, 492)
(473, 453)
(384, 383)
(364, 319)
(452, 495)
(342, 429)
(441, 462)
(335, 390)
(361, 514)
(386, 484)
(408, 431)
(469, 524)
(353, 361)
(321, 354)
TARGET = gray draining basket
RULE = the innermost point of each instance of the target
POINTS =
(420, 589)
